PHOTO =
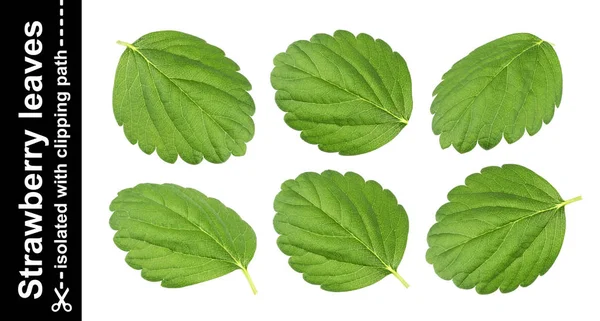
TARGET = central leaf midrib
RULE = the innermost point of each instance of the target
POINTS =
(359, 97)
(385, 265)
(538, 43)
(235, 261)
(555, 207)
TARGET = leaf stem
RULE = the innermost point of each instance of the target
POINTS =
(247, 275)
(395, 273)
(126, 44)
(569, 201)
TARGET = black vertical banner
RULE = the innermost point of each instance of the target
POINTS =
(42, 124)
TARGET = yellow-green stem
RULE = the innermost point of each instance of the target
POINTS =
(569, 201)
(126, 44)
(395, 273)
(247, 275)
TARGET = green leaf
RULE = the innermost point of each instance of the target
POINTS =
(347, 94)
(177, 94)
(341, 232)
(501, 229)
(501, 88)
(179, 236)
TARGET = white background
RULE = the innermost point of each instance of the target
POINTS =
(431, 36)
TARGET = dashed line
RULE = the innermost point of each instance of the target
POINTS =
(61, 285)
(61, 274)
(61, 42)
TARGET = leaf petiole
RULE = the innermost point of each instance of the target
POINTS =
(247, 275)
(395, 273)
(126, 44)
(569, 201)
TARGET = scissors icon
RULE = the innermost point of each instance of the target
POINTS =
(61, 301)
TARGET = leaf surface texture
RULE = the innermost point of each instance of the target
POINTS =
(347, 94)
(179, 236)
(500, 230)
(502, 88)
(178, 95)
